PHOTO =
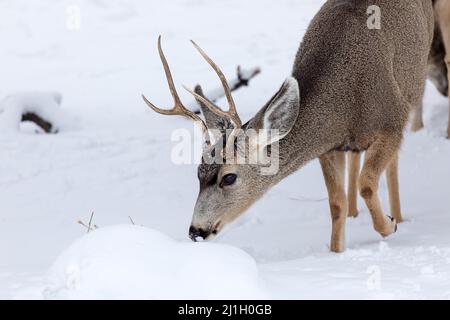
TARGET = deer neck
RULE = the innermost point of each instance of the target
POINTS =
(311, 137)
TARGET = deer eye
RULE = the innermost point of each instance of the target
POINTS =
(228, 180)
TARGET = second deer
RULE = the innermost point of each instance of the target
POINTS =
(439, 59)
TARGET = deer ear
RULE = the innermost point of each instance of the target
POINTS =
(278, 117)
(213, 121)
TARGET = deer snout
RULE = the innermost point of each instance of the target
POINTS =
(197, 232)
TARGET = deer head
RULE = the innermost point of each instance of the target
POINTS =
(229, 187)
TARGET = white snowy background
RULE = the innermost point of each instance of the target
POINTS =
(114, 160)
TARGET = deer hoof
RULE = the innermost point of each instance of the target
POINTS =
(353, 214)
(396, 224)
(389, 228)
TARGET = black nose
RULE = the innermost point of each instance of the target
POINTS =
(195, 233)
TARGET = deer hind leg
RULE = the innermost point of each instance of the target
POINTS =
(354, 166)
(378, 157)
(333, 168)
(394, 191)
(417, 121)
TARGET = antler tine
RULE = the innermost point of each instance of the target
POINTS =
(232, 112)
(169, 77)
(178, 108)
(207, 102)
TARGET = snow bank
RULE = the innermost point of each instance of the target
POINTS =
(44, 104)
(130, 262)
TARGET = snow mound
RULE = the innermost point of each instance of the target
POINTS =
(44, 104)
(130, 262)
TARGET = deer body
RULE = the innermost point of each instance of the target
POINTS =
(351, 89)
(357, 88)
(353, 84)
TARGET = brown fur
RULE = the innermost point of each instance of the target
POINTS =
(352, 88)
(354, 166)
(333, 167)
(439, 58)
(361, 83)
(357, 88)
(393, 189)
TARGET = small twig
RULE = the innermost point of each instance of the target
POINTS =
(305, 199)
(88, 226)
(131, 219)
(90, 221)
(81, 223)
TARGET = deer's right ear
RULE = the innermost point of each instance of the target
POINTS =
(281, 113)
(213, 121)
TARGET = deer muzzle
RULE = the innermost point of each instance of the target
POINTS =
(204, 233)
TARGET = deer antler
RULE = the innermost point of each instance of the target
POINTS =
(178, 108)
(232, 112)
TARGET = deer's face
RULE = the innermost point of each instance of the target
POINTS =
(227, 190)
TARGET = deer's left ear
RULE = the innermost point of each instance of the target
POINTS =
(278, 117)
(213, 121)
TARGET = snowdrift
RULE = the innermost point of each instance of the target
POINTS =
(130, 262)
(45, 105)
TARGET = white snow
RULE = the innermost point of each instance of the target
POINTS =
(45, 104)
(116, 162)
(129, 262)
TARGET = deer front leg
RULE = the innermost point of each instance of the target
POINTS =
(333, 168)
(378, 157)
(417, 121)
(354, 166)
(393, 187)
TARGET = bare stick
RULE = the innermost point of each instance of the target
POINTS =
(81, 223)
(242, 79)
(90, 221)
(88, 226)
(39, 121)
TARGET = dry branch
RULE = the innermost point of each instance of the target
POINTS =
(243, 77)
(89, 225)
(39, 121)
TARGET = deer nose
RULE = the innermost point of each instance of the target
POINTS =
(195, 233)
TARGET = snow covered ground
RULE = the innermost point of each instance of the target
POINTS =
(116, 161)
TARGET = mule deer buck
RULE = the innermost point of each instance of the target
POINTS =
(352, 89)
(439, 58)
